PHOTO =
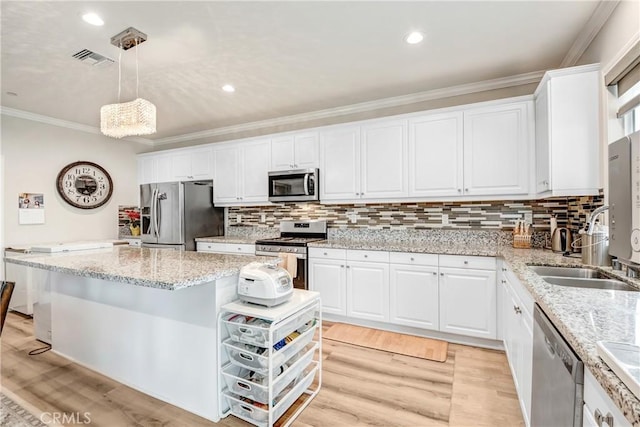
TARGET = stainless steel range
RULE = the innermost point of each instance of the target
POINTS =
(294, 237)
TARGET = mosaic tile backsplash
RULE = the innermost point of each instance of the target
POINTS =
(571, 212)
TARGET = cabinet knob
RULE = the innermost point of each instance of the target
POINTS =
(348, 266)
(362, 194)
(366, 256)
(442, 274)
(295, 166)
(412, 259)
(459, 190)
(503, 281)
(504, 269)
(598, 416)
(239, 249)
(435, 274)
(466, 262)
(342, 266)
(517, 309)
(466, 190)
(325, 254)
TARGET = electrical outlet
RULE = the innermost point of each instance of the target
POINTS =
(445, 219)
(263, 218)
(238, 218)
(353, 218)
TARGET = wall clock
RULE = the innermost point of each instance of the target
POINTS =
(85, 185)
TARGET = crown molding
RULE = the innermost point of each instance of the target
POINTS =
(397, 101)
(630, 44)
(589, 32)
(21, 114)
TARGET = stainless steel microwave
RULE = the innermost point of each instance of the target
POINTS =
(293, 185)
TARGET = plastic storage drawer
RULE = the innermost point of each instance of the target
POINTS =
(238, 382)
(258, 335)
(260, 415)
(247, 356)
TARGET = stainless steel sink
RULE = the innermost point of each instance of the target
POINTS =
(586, 273)
(576, 282)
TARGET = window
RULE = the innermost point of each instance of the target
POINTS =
(624, 80)
(629, 111)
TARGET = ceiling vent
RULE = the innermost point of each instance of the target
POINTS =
(89, 57)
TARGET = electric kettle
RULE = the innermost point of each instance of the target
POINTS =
(561, 240)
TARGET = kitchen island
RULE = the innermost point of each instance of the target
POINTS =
(144, 317)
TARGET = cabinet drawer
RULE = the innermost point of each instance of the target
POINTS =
(413, 259)
(463, 261)
(371, 256)
(596, 398)
(227, 248)
(327, 253)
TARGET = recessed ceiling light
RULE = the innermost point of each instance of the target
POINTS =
(228, 88)
(414, 37)
(11, 93)
(93, 19)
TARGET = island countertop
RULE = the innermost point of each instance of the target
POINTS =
(150, 267)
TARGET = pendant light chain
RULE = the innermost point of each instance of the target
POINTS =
(119, 73)
(137, 81)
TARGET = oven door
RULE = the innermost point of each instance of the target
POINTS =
(300, 280)
(293, 185)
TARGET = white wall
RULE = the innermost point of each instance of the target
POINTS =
(34, 153)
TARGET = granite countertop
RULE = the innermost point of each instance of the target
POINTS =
(583, 316)
(155, 268)
(228, 239)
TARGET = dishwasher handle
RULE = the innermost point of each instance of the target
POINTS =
(557, 345)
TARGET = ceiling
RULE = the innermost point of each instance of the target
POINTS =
(284, 58)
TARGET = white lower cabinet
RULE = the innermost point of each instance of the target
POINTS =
(468, 302)
(329, 277)
(599, 410)
(406, 289)
(368, 290)
(414, 295)
(517, 332)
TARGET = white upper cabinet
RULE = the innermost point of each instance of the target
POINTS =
(340, 163)
(147, 169)
(435, 155)
(382, 159)
(568, 132)
(496, 149)
(254, 170)
(192, 164)
(241, 173)
(297, 151)
(364, 162)
(226, 183)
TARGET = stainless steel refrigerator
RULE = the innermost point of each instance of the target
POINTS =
(173, 214)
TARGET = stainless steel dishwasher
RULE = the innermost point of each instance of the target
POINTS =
(558, 377)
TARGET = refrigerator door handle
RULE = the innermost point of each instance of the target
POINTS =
(159, 197)
(154, 232)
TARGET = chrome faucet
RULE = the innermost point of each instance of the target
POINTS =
(594, 215)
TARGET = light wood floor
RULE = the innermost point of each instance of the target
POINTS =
(360, 387)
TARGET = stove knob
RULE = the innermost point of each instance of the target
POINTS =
(288, 249)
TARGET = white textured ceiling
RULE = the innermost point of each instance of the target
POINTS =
(283, 57)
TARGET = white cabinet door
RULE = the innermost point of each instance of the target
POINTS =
(191, 164)
(368, 290)
(226, 180)
(414, 296)
(297, 151)
(340, 163)
(468, 302)
(383, 157)
(435, 155)
(282, 153)
(164, 172)
(306, 150)
(147, 169)
(526, 364)
(543, 159)
(328, 277)
(254, 170)
(496, 150)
